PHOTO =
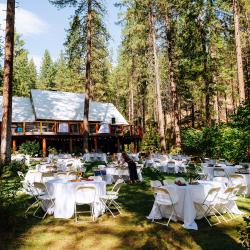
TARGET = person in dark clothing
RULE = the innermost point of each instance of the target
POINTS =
(131, 167)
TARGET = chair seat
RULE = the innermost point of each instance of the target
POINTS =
(163, 202)
(109, 197)
(45, 197)
(112, 193)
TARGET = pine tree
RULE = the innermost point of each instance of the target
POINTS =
(47, 73)
(7, 83)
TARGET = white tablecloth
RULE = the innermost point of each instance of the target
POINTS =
(64, 194)
(247, 183)
(210, 170)
(185, 208)
(112, 171)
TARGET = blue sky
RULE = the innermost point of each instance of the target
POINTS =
(43, 26)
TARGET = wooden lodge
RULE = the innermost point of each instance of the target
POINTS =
(55, 119)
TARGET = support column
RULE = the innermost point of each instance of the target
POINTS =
(70, 146)
(118, 145)
(135, 146)
(95, 143)
(44, 149)
(14, 145)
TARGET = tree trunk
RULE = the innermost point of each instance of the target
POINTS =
(238, 52)
(88, 78)
(158, 85)
(7, 83)
(175, 106)
(131, 94)
(193, 114)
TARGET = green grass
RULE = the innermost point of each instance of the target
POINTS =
(131, 230)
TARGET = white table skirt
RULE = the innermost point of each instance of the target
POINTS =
(247, 183)
(185, 208)
(64, 194)
(112, 171)
(209, 170)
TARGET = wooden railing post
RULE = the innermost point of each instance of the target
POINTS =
(44, 149)
(41, 127)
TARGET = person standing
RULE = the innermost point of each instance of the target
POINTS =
(131, 167)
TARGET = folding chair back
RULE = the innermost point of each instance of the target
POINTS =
(85, 194)
(21, 175)
(118, 185)
(212, 195)
(164, 194)
(219, 172)
(236, 179)
(155, 183)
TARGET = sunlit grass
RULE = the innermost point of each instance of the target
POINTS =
(130, 230)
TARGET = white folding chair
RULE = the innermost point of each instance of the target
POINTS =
(85, 195)
(155, 183)
(163, 198)
(72, 174)
(109, 200)
(168, 182)
(116, 188)
(44, 198)
(208, 205)
(171, 167)
(227, 196)
(21, 175)
(61, 174)
(236, 179)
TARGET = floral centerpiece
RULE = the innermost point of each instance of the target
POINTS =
(192, 173)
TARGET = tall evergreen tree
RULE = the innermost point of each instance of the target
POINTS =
(7, 82)
(47, 72)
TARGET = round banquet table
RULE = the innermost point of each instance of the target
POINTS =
(64, 193)
(185, 197)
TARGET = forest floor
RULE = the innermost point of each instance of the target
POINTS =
(130, 230)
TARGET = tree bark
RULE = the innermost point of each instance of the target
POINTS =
(7, 83)
(88, 78)
(158, 84)
(175, 103)
(238, 52)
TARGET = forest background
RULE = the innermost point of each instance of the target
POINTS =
(177, 74)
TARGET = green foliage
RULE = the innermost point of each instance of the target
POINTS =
(31, 148)
(9, 182)
(191, 141)
(47, 72)
(25, 74)
(228, 141)
(192, 171)
(150, 140)
(245, 233)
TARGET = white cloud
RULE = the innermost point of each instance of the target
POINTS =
(26, 23)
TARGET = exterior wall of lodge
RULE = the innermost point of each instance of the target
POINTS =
(68, 136)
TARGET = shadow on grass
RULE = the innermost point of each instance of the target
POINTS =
(131, 230)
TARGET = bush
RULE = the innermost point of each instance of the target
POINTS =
(9, 182)
(191, 141)
(31, 148)
(223, 141)
(151, 140)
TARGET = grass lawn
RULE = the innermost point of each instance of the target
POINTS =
(131, 230)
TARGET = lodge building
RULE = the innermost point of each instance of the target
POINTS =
(55, 119)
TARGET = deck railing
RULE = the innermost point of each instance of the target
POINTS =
(70, 128)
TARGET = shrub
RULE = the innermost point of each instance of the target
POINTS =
(31, 148)
(9, 182)
(151, 140)
(191, 141)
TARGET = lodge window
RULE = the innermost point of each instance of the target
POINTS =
(73, 128)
